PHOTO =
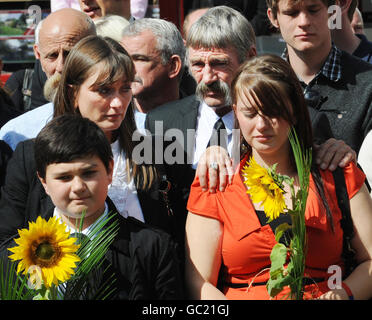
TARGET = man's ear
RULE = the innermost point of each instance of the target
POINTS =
(252, 51)
(175, 64)
(273, 20)
(344, 5)
(36, 51)
(43, 182)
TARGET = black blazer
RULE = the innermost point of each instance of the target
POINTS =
(142, 259)
(5, 154)
(180, 114)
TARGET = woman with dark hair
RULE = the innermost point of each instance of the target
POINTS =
(228, 237)
(95, 83)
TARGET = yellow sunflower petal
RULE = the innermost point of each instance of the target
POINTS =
(263, 189)
(47, 245)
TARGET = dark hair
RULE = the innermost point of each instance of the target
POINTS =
(274, 5)
(353, 5)
(67, 138)
(273, 85)
(117, 64)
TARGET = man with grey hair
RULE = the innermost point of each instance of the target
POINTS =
(217, 43)
(158, 53)
(59, 32)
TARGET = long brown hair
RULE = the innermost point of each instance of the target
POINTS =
(117, 64)
(271, 82)
(274, 86)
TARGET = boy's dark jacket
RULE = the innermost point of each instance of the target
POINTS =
(146, 251)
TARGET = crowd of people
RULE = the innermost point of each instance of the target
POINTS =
(129, 114)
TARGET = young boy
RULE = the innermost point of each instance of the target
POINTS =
(74, 164)
(340, 81)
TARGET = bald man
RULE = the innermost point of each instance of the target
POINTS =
(53, 40)
(58, 33)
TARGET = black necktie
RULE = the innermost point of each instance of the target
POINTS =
(218, 137)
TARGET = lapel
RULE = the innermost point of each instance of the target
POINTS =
(121, 242)
(189, 113)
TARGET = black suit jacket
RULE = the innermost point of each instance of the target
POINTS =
(182, 115)
(5, 154)
(141, 259)
(15, 85)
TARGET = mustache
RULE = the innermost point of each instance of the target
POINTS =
(219, 87)
(51, 85)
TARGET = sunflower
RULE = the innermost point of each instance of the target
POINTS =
(47, 245)
(263, 188)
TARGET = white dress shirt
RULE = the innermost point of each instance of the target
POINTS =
(121, 192)
(58, 214)
(205, 123)
(140, 119)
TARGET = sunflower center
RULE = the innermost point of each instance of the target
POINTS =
(45, 251)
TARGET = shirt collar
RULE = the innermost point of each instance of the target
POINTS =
(57, 213)
(209, 115)
(332, 66)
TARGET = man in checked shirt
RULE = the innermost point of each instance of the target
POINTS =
(337, 83)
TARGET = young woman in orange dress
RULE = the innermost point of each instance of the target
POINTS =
(228, 237)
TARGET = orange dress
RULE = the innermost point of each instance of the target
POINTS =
(246, 245)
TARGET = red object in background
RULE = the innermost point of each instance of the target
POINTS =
(172, 10)
(4, 77)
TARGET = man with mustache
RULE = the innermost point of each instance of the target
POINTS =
(54, 42)
(217, 44)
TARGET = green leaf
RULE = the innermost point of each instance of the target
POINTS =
(92, 252)
(278, 258)
(13, 286)
(275, 286)
(279, 231)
